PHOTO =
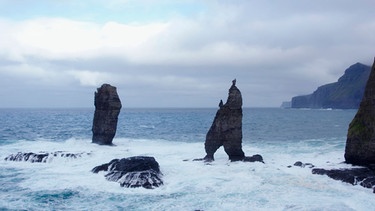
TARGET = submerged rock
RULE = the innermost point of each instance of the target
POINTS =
(132, 172)
(226, 129)
(360, 143)
(254, 158)
(42, 157)
(302, 165)
(355, 176)
(107, 109)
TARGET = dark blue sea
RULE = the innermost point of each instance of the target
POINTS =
(175, 137)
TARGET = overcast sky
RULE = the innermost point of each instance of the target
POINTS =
(185, 53)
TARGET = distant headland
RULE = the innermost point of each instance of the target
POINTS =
(346, 93)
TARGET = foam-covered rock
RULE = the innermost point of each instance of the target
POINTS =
(302, 165)
(254, 158)
(43, 157)
(360, 142)
(133, 172)
(355, 176)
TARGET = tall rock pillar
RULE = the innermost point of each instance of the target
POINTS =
(226, 129)
(360, 143)
(107, 109)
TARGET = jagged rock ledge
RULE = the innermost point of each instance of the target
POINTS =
(43, 157)
(133, 172)
(355, 176)
(364, 176)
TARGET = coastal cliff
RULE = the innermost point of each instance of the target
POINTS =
(360, 143)
(346, 93)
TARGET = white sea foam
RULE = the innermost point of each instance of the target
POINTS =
(190, 185)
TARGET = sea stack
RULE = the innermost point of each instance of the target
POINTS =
(360, 143)
(226, 129)
(107, 109)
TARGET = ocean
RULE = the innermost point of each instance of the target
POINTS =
(175, 137)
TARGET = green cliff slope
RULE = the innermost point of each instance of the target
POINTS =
(346, 93)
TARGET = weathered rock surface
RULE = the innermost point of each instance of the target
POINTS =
(132, 172)
(346, 93)
(107, 109)
(226, 129)
(355, 176)
(360, 143)
(42, 157)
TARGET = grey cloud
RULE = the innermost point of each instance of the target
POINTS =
(275, 50)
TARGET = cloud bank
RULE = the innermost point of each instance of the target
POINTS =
(185, 58)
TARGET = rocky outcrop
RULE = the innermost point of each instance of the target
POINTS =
(346, 93)
(107, 109)
(355, 176)
(43, 157)
(360, 142)
(133, 172)
(226, 129)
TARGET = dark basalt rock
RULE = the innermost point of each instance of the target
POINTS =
(107, 109)
(302, 165)
(355, 176)
(254, 158)
(42, 157)
(132, 172)
(360, 142)
(226, 129)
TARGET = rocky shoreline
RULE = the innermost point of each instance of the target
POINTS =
(362, 176)
(226, 131)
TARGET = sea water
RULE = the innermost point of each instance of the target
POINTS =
(175, 137)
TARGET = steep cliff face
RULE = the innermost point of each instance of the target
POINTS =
(360, 143)
(346, 93)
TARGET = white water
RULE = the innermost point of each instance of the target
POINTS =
(188, 185)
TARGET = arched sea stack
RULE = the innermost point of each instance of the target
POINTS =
(226, 129)
(107, 109)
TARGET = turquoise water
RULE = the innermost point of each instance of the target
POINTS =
(172, 136)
